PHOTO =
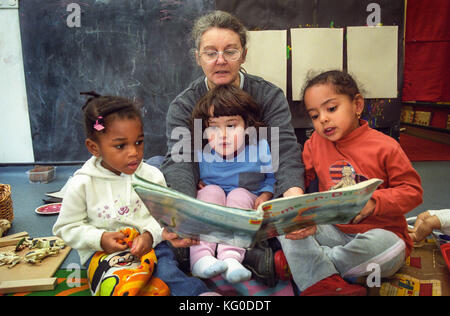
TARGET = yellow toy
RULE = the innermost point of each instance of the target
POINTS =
(122, 274)
(130, 234)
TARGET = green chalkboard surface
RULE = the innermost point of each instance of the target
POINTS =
(139, 49)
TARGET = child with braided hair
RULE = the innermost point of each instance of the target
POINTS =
(100, 204)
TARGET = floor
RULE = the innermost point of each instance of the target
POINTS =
(27, 197)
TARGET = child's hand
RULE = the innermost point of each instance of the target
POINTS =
(365, 212)
(142, 244)
(200, 185)
(177, 242)
(265, 196)
(424, 225)
(109, 242)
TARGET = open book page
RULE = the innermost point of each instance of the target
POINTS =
(284, 215)
(189, 217)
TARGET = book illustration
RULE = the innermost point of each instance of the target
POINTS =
(340, 206)
(189, 217)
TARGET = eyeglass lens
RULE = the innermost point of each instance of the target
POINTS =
(229, 55)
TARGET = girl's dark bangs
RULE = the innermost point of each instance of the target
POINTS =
(223, 110)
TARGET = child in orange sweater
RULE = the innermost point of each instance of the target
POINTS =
(344, 150)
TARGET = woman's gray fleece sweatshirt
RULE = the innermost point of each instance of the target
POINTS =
(183, 176)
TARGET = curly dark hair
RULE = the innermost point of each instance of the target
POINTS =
(342, 82)
(104, 109)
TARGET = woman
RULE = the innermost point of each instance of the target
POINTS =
(220, 41)
(220, 50)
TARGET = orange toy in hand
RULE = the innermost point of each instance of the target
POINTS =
(130, 234)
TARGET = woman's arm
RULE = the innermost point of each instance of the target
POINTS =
(178, 167)
(286, 151)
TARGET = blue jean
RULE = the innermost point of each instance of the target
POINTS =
(167, 270)
(331, 251)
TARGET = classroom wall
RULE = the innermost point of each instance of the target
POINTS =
(138, 49)
(15, 133)
(54, 61)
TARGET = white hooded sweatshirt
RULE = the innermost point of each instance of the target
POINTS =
(97, 200)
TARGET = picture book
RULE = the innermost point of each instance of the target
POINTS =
(189, 217)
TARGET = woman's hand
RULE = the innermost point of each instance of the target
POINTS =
(294, 191)
(178, 242)
(109, 242)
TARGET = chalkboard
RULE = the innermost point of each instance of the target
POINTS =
(139, 49)
(383, 114)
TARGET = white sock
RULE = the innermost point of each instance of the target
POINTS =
(236, 272)
(208, 267)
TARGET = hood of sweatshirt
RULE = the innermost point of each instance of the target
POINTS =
(95, 170)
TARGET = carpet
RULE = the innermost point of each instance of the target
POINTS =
(249, 288)
(425, 273)
(419, 149)
(68, 285)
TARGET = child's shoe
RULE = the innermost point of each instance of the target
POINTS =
(260, 261)
(334, 285)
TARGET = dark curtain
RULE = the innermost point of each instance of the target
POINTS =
(427, 51)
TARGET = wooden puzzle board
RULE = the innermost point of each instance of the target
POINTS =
(26, 271)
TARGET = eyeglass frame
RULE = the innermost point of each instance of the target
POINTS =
(219, 53)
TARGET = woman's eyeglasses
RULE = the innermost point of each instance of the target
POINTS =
(210, 56)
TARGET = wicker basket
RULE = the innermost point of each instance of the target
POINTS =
(6, 205)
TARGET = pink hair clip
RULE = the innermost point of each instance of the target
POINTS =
(98, 126)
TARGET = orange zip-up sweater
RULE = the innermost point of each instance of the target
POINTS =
(365, 154)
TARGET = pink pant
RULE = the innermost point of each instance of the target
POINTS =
(238, 197)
